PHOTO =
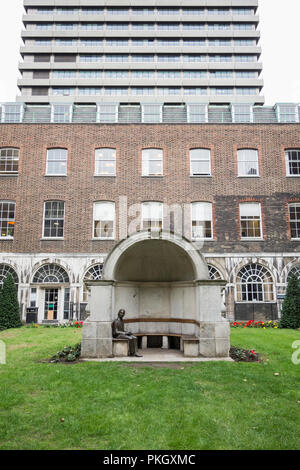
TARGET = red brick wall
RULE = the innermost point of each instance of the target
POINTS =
(79, 189)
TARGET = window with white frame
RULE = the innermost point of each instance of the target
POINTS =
(294, 213)
(9, 161)
(54, 218)
(7, 219)
(61, 113)
(51, 274)
(94, 273)
(108, 113)
(250, 220)
(214, 273)
(105, 162)
(287, 113)
(292, 160)
(200, 162)
(294, 271)
(197, 113)
(62, 74)
(13, 112)
(152, 162)
(152, 215)
(104, 220)
(57, 162)
(254, 284)
(248, 162)
(6, 269)
(151, 113)
(242, 112)
(201, 218)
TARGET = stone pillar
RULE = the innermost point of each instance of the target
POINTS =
(97, 333)
(165, 343)
(214, 328)
(144, 342)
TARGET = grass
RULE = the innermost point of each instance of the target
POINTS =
(217, 405)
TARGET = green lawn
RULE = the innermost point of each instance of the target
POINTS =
(216, 405)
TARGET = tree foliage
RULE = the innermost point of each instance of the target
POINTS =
(290, 315)
(9, 305)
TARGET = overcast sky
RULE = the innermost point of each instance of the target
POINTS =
(279, 25)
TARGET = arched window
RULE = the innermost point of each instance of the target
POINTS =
(51, 273)
(9, 161)
(214, 274)
(94, 273)
(250, 220)
(292, 162)
(254, 284)
(152, 215)
(200, 162)
(57, 162)
(105, 162)
(104, 219)
(247, 162)
(152, 162)
(54, 219)
(7, 219)
(295, 270)
(5, 269)
(202, 220)
(294, 213)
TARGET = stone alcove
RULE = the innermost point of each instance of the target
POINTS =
(162, 282)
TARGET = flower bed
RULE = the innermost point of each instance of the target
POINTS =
(255, 324)
(68, 354)
(243, 355)
(70, 324)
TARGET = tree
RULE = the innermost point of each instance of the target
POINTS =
(9, 305)
(290, 315)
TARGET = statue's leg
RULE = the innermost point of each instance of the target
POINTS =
(135, 342)
(131, 346)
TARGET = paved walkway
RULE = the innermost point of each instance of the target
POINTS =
(160, 355)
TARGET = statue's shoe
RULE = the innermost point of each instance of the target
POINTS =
(138, 355)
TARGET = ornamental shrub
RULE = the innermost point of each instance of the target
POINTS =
(290, 315)
(9, 306)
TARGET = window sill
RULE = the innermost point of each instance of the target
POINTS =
(6, 238)
(152, 176)
(248, 176)
(252, 239)
(200, 176)
(53, 176)
(105, 176)
(45, 239)
(293, 176)
(103, 239)
(255, 302)
(9, 174)
(295, 239)
(204, 240)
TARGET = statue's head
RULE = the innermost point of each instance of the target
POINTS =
(121, 313)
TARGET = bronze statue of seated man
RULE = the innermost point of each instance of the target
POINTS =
(118, 331)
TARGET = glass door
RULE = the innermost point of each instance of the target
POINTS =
(51, 299)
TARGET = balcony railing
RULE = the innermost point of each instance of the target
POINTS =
(116, 113)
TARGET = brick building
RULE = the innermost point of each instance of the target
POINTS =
(69, 192)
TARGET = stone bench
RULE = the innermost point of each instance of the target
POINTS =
(120, 347)
(188, 344)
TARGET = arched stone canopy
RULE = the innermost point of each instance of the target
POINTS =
(155, 257)
(161, 281)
